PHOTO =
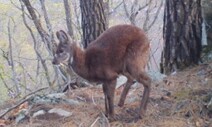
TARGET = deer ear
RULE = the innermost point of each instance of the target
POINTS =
(62, 36)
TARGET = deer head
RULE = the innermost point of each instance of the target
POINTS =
(63, 52)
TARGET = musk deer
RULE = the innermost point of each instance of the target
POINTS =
(120, 50)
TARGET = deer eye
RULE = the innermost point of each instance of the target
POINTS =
(60, 51)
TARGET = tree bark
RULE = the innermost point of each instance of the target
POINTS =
(182, 35)
(93, 20)
(106, 8)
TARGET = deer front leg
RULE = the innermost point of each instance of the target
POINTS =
(109, 90)
(105, 90)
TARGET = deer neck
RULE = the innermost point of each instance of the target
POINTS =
(77, 61)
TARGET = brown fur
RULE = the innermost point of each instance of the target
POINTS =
(122, 49)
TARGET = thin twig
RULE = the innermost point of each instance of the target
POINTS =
(11, 1)
(93, 100)
(24, 99)
(4, 82)
(95, 122)
(156, 16)
(106, 119)
(10, 109)
(35, 92)
(115, 8)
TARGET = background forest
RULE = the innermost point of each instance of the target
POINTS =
(26, 63)
(28, 42)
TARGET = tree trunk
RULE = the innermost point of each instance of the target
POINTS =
(46, 38)
(68, 18)
(48, 24)
(44, 35)
(93, 19)
(106, 9)
(182, 34)
(207, 8)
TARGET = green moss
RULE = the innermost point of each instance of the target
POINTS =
(182, 94)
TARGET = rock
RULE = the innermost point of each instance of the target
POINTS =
(72, 102)
(60, 112)
(56, 95)
(133, 99)
(209, 105)
(40, 112)
(156, 76)
(54, 113)
(21, 116)
(120, 81)
(53, 99)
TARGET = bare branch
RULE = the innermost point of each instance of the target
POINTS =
(16, 83)
(115, 8)
(24, 99)
(125, 9)
(134, 10)
(156, 15)
(11, 1)
(4, 82)
(49, 26)
(35, 46)
(44, 35)
(145, 27)
(6, 56)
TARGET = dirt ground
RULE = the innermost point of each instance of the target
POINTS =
(180, 100)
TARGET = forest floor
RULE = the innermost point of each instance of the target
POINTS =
(183, 99)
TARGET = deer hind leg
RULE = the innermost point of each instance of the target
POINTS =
(143, 78)
(109, 90)
(146, 81)
(126, 89)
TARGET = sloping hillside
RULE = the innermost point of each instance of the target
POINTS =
(183, 99)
